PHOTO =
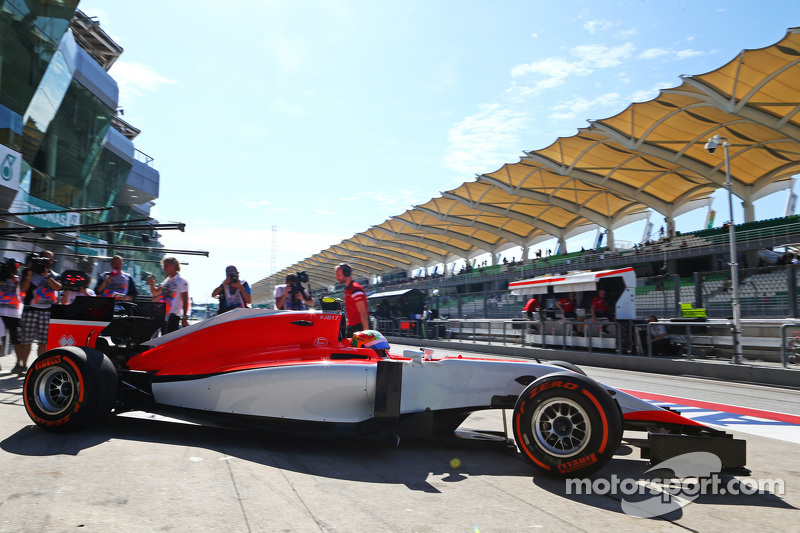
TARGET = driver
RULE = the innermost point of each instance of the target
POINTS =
(371, 339)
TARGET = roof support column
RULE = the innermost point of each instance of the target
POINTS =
(669, 220)
(610, 244)
(562, 244)
(749, 210)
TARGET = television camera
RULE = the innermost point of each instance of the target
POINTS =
(37, 263)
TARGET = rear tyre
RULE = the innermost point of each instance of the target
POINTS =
(567, 425)
(70, 388)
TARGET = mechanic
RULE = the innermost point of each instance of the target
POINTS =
(531, 307)
(40, 285)
(292, 296)
(355, 300)
(174, 291)
(600, 309)
(116, 283)
(568, 306)
(233, 293)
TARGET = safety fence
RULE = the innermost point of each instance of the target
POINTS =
(767, 292)
(713, 339)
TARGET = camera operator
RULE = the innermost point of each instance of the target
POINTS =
(41, 287)
(116, 283)
(233, 293)
(174, 291)
(293, 296)
(10, 302)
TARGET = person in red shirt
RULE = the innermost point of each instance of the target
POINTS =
(355, 301)
(600, 309)
(568, 307)
(531, 307)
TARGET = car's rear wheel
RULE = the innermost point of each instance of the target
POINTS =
(567, 425)
(70, 388)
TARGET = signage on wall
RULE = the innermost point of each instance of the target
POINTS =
(25, 203)
(10, 167)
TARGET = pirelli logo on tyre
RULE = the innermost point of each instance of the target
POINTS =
(553, 385)
(47, 362)
(575, 464)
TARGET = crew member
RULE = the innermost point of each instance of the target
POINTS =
(600, 309)
(568, 305)
(530, 308)
(355, 300)
(233, 293)
(116, 283)
(657, 334)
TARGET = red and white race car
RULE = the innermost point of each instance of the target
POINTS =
(292, 371)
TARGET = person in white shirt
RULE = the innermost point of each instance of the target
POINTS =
(174, 291)
(657, 334)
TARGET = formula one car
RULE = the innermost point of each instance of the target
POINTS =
(292, 371)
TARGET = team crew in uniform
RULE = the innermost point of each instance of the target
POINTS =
(174, 291)
(355, 301)
(568, 307)
(531, 307)
(116, 283)
(600, 309)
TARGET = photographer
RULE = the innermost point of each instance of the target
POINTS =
(233, 293)
(293, 296)
(174, 291)
(10, 303)
(116, 283)
(41, 287)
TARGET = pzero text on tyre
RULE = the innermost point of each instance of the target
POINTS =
(567, 425)
(70, 388)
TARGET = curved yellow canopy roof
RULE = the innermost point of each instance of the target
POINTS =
(650, 156)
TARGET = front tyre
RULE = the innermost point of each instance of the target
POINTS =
(70, 388)
(567, 425)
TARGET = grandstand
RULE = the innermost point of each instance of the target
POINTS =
(647, 159)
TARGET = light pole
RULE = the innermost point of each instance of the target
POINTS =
(711, 147)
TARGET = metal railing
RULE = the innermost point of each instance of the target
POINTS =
(793, 348)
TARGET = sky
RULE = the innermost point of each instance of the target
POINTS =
(321, 118)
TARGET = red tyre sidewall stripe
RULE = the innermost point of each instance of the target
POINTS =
(602, 418)
(522, 445)
(80, 377)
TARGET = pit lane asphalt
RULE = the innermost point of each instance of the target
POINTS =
(145, 474)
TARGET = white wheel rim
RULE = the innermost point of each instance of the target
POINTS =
(54, 390)
(562, 427)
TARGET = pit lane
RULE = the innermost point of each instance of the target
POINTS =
(145, 474)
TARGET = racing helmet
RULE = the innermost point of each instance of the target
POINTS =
(370, 339)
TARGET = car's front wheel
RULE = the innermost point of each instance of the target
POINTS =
(567, 425)
(70, 388)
